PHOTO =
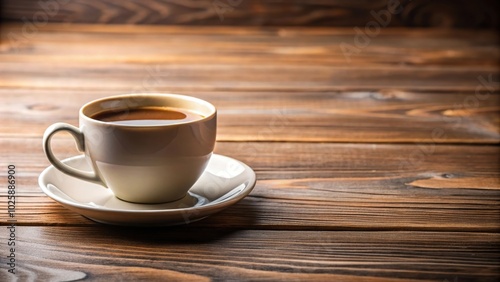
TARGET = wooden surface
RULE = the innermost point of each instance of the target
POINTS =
(383, 167)
(336, 13)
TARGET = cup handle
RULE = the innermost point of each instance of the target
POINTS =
(80, 144)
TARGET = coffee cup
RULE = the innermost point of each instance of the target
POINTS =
(147, 148)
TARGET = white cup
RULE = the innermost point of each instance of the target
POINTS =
(141, 163)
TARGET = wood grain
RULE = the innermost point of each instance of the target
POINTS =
(397, 187)
(151, 45)
(179, 254)
(148, 59)
(377, 116)
(132, 77)
(423, 13)
(304, 92)
(384, 167)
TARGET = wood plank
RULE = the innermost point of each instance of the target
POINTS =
(381, 116)
(87, 58)
(126, 77)
(412, 193)
(324, 186)
(245, 30)
(219, 254)
(259, 12)
(255, 46)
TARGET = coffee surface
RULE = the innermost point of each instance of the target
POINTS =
(145, 116)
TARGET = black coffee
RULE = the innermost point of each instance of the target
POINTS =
(147, 116)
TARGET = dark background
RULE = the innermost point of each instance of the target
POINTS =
(481, 14)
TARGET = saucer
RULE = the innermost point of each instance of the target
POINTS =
(224, 182)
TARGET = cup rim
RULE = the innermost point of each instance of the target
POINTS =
(213, 110)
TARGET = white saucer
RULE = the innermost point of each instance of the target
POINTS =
(224, 182)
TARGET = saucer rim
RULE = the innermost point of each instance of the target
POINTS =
(74, 204)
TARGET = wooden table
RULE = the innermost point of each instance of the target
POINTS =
(379, 166)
